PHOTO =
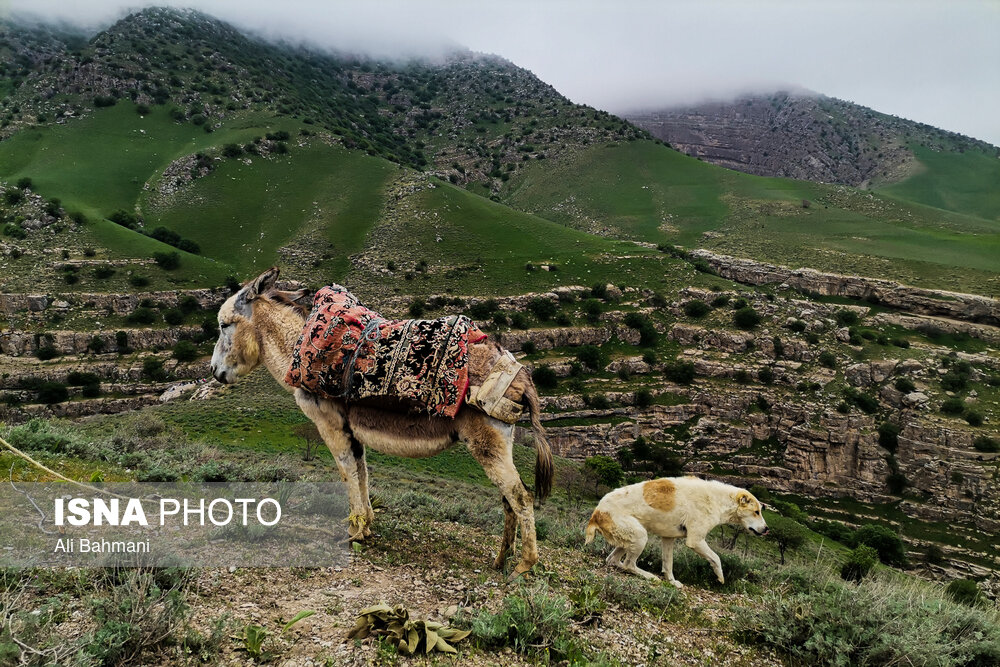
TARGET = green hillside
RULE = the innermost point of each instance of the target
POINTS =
(966, 182)
(241, 214)
(645, 191)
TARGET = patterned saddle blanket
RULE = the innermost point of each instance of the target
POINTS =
(349, 352)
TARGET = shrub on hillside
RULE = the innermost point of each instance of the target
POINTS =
(846, 318)
(986, 444)
(746, 318)
(542, 308)
(953, 406)
(167, 261)
(641, 323)
(888, 436)
(544, 377)
(52, 392)
(680, 371)
(185, 350)
(861, 561)
(974, 418)
(886, 542)
(141, 315)
(696, 308)
(121, 341)
(766, 375)
(904, 385)
(152, 369)
(590, 356)
(46, 352)
(592, 310)
(965, 591)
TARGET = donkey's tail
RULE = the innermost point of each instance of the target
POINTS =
(544, 470)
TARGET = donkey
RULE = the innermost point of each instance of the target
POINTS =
(261, 324)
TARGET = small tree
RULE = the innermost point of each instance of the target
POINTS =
(606, 471)
(152, 369)
(888, 436)
(310, 435)
(680, 371)
(786, 534)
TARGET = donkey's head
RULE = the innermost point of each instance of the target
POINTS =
(237, 351)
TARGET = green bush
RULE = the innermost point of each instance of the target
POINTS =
(965, 591)
(886, 542)
(865, 402)
(896, 482)
(417, 308)
(152, 369)
(52, 392)
(590, 356)
(904, 385)
(680, 371)
(766, 375)
(519, 320)
(720, 301)
(953, 406)
(746, 318)
(643, 398)
(544, 377)
(592, 309)
(80, 378)
(696, 308)
(138, 281)
(973, 417)
(888, 436)
(641, 323)
(15, 231)
(846, 318)
(529, 621)
(872, 623)
(986, 444)
(121, 341)
(786, 534)
(173, 316)
(104, 272)
(185, 351)
(606, 470)
(861, 561)
(542, 308)
(168, 261)
(142, 315)
(46, 352)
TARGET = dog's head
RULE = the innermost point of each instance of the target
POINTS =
(749, 512)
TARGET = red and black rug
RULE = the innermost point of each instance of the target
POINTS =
(349, 352)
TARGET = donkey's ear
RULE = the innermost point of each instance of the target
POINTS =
(254, 289)
(261, 283)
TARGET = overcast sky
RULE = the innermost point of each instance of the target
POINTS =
(937, 62)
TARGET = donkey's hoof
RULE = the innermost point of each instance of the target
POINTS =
(519, 570)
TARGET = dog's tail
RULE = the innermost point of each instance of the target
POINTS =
(593, 527)
(544, 470)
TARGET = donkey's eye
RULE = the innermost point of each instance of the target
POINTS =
(225, 325)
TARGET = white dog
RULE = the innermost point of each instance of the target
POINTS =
(673, 508)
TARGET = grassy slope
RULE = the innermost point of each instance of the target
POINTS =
(655, 194)
(964, 182)
(241, 214)
(484, 248)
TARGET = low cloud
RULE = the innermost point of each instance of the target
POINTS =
(934, 62)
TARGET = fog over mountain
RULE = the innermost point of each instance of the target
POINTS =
(934, 62)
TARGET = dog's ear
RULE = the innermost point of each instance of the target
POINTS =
(744, 499)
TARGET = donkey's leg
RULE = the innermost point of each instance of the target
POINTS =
(330, 422)
(358, 451)
(509, 533)
(491, 443)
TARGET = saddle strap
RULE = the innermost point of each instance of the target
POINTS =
(490, 396)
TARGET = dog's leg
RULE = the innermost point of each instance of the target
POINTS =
(631, 527)
(615, 557)
(700, 547)
(667, 547)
